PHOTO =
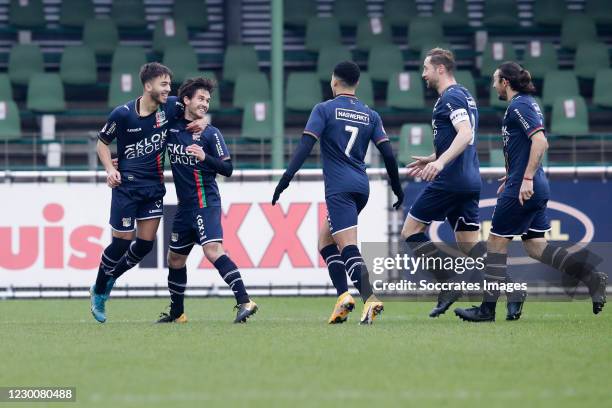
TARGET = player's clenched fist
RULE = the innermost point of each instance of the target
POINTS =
(197, 151)
(113, 178)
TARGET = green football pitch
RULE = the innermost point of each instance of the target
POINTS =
(558, 354)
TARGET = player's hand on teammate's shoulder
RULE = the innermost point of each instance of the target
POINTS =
(431, 170)
(502, 186)
(197, 151)
(113, 177)
(526, 191)
(197, 125)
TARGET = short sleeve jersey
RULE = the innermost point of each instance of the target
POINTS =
(456, 105)
(141, 141)
(522, 120)
(195, 181)
(345, 126)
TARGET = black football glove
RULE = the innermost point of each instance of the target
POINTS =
(400, 199)
(282, 185)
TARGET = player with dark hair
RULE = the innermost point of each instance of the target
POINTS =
(452, 171)
(345, 127)
(196, 158)
(137, 184)
(523, 195)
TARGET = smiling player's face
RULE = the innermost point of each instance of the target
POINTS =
(430, 74)
(159, 88)
(197, 106)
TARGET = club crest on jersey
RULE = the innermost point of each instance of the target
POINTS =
(126, 222)
(197, 136)
(160, 118)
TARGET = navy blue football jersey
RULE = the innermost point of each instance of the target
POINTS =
(523, 119)
(141, 141)
(454, 106)
(345, 126)
(195, 181)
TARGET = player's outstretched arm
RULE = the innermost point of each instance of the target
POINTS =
(113, 178)
(461, 141)
(539, 144)
(391, 165)
(298, 159)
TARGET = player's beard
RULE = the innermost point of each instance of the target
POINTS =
(503, 95)
(432, 84)
(156, 96)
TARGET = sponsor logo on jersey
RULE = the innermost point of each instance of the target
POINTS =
(352, 116)
(173, 130)
(146, 146)
(200, 223)
(218, 146)
(109, 128)
(134, 130)
(522, 119)
(178, 155)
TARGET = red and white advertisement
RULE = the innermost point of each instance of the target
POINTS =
(52, 234)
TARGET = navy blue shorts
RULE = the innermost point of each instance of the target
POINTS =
(131, 204)
(459, 208)
(191, 226)
(343, 210)
(510, 218)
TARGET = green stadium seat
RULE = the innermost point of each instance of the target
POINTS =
(328, 57)
(373, 32)
(559, 84)
(365, 90)
(239, 59)
(169, 33)
(257, 121)
(123, 87)
(10, 123)
(215, 100)
(601, 88)
(590, 58)
(399, 13)
(424, 31)
(46, 94)
(303, 91)
(182, 61)
(494, 54)
(577, 28)
(600, 11)
(192, 13)
(25, 60)
(539, 58)
(405, 91)
(6, 91)
(384, 61)
(251, 87)
(101, 35)
(500, 13)
(549, 12)
(415, 140)
(569, 117)
(453, 13)
(74, 13)
(494, 100)
(497, 158)
(322, 32)
(349, 12)
(297, 12)
(466, 79)
(128, 14)
(78, 66)
(26, 15)
(429, 46)
(128, 58)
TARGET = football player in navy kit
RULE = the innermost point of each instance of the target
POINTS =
(140, 128)
(452, 170)
(345, 126)
(196, 159)
(523, 196)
